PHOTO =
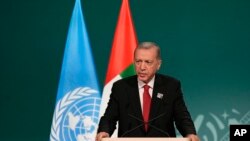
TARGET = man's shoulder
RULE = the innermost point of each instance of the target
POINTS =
(127, 80)
(166, 78)
(131, 80)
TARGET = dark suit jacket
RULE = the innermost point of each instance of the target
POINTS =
(124, 107)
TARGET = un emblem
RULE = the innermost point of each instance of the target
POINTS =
(76, 116)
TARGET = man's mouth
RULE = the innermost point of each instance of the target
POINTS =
(142, 74)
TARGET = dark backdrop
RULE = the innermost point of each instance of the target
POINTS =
(205, 44)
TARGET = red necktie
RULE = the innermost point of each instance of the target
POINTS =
(146, 105)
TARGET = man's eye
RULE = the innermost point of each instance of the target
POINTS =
(138, 62)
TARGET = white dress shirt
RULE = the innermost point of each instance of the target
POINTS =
(141, 89)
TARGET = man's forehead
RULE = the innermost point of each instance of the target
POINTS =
(146, 53)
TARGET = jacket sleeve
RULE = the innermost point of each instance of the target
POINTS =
(182, 116)
(109, 120)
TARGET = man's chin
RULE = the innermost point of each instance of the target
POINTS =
(143, 79)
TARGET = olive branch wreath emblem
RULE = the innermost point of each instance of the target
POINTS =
(63, 104)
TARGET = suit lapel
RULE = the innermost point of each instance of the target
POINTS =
(134, 99)
(156, 98)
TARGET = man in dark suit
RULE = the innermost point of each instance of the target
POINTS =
(147, 104)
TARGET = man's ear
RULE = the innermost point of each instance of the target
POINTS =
(159, 64)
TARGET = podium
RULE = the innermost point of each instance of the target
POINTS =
(145, 139)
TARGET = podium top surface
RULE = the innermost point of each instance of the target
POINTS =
(145, 139)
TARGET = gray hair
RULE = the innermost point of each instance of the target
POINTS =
(148, 45)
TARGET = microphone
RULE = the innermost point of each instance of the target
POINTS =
(149, 124)
(142, 124)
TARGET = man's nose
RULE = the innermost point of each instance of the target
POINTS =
(143, 66)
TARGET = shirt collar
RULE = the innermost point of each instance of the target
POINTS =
(150, 83)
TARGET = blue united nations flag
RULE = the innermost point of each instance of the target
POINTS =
(78, 98)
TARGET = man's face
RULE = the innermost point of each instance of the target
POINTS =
(146, 63)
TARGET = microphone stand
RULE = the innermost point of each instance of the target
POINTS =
(149, 123)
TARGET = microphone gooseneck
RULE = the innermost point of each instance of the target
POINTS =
(140, 125)
(149, 123)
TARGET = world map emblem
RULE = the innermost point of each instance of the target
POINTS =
(76, 116)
